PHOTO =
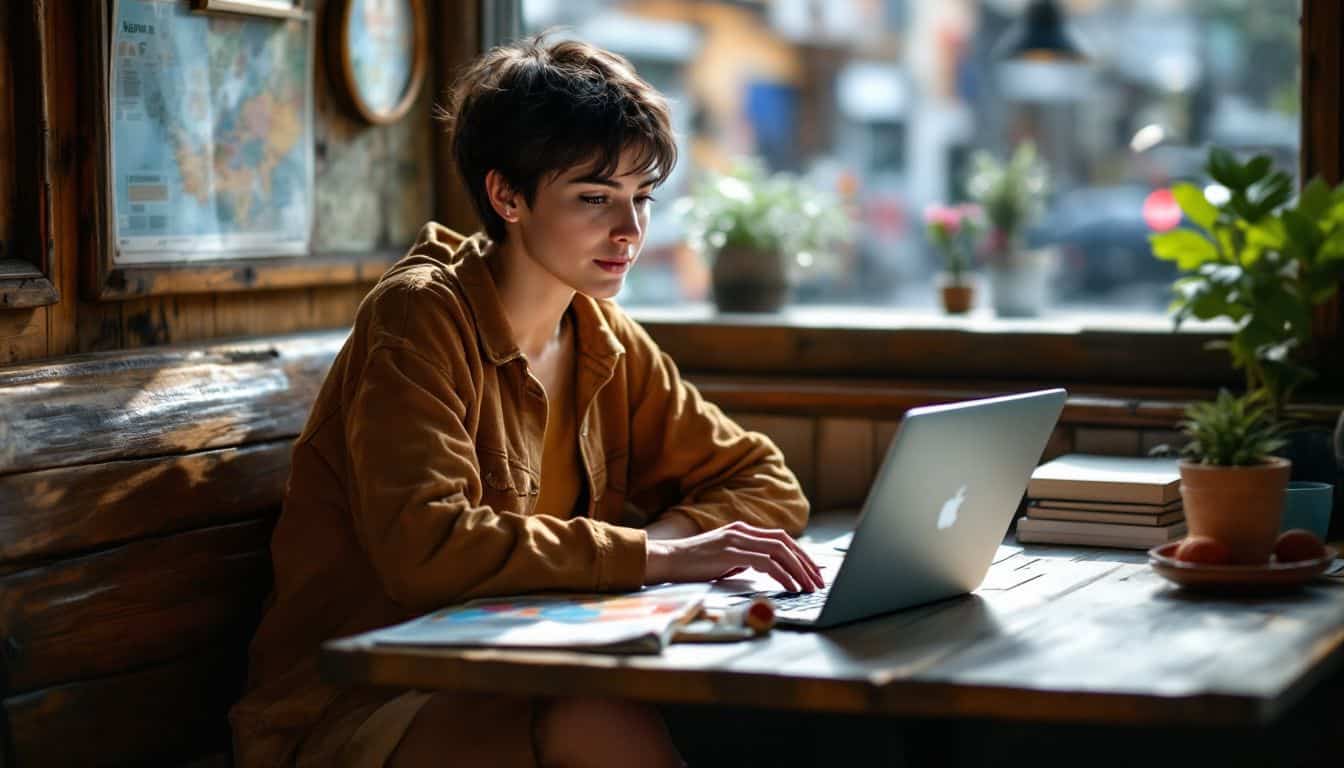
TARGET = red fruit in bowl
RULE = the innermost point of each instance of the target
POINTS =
(1297, 545)
(1203, 549)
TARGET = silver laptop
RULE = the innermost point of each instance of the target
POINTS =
(937, 510)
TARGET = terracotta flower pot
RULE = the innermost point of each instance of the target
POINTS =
(958, 297)
(1241, 507)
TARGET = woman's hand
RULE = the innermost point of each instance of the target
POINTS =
(731, 549)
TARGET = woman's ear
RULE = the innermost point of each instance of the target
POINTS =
(503, 198)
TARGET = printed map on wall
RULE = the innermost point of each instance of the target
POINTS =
(212, 126)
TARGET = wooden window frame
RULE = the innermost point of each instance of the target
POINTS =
(25, 264)
(103, 279)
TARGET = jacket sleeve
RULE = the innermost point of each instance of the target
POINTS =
(416, 488)
(720, 472)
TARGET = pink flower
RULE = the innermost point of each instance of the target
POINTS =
(945, 217)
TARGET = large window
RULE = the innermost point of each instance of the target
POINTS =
(883, 102)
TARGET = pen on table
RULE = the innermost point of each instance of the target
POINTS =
(757, 615)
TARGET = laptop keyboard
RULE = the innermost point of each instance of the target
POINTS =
(800, 601)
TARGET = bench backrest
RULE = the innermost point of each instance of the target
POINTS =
(137, 495)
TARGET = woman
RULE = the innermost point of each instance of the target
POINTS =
(494, 425)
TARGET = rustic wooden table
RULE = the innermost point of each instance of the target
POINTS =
(1054, 635)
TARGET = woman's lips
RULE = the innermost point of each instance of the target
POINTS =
(614, 267)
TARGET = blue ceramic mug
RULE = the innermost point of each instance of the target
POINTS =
(1307, 505)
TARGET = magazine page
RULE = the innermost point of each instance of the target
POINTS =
(625, 622)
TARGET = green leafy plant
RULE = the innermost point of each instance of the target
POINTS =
(1231, 431)
(1012, 194)
(1261, 261)
(747, 207)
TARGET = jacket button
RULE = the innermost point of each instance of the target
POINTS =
(491, 477)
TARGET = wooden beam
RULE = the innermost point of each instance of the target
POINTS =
(161, 715)
(457, 43)
(73, 510)
(133, 606)
(1323, 142)
(101, 407)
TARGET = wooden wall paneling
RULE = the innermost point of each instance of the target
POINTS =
(25, 252)
(69, 166)
(884, 431)
(96, 325)
(796, 438)
(1323, 140)
(459, 41)
(72, 510)
(167, 320)
(1059, 443)
(23, 334)
(154, 716)
(334, 306)
(97, 408)
(1106, 441)
(242, 314)
(8, 177)
(844, 462)
(146, 602)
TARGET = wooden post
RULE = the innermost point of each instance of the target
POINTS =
(1323, 140)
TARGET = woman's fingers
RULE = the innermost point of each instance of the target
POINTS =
(765, 564)
(780, 553)
(790, 542)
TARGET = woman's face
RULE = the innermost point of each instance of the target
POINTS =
(587, 230)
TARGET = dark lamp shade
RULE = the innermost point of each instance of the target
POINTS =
(1040, 35)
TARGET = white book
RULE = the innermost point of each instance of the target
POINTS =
(1031, 531)
(1116, 479)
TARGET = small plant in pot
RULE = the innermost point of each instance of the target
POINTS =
(1232, 485)
(759, 229)
(1012, 194)
(952, 230)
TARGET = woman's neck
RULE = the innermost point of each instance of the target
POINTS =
(534, 300)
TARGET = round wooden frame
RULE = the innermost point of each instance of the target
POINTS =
(343, 71)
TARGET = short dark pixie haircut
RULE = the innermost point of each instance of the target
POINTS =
(534, 109)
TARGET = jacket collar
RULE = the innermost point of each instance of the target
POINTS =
(596, 340)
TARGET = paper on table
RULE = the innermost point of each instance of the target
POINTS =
(629, 622)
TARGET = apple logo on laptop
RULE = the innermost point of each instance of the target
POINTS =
(947, 516)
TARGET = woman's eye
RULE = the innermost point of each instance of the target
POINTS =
(594, 199)
(645, 199)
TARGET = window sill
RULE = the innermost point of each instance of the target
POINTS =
(23, 286)
(1062, 347)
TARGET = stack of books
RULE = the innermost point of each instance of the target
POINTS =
(1105, 501)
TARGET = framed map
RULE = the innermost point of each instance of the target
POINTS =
(211, 134)
(381, 50)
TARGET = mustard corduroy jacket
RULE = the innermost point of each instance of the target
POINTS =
(413, 483)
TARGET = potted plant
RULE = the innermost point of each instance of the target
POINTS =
(1261, 261)
(1012, 196)
(952, 231)
(758, 229)
(1232, 486)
